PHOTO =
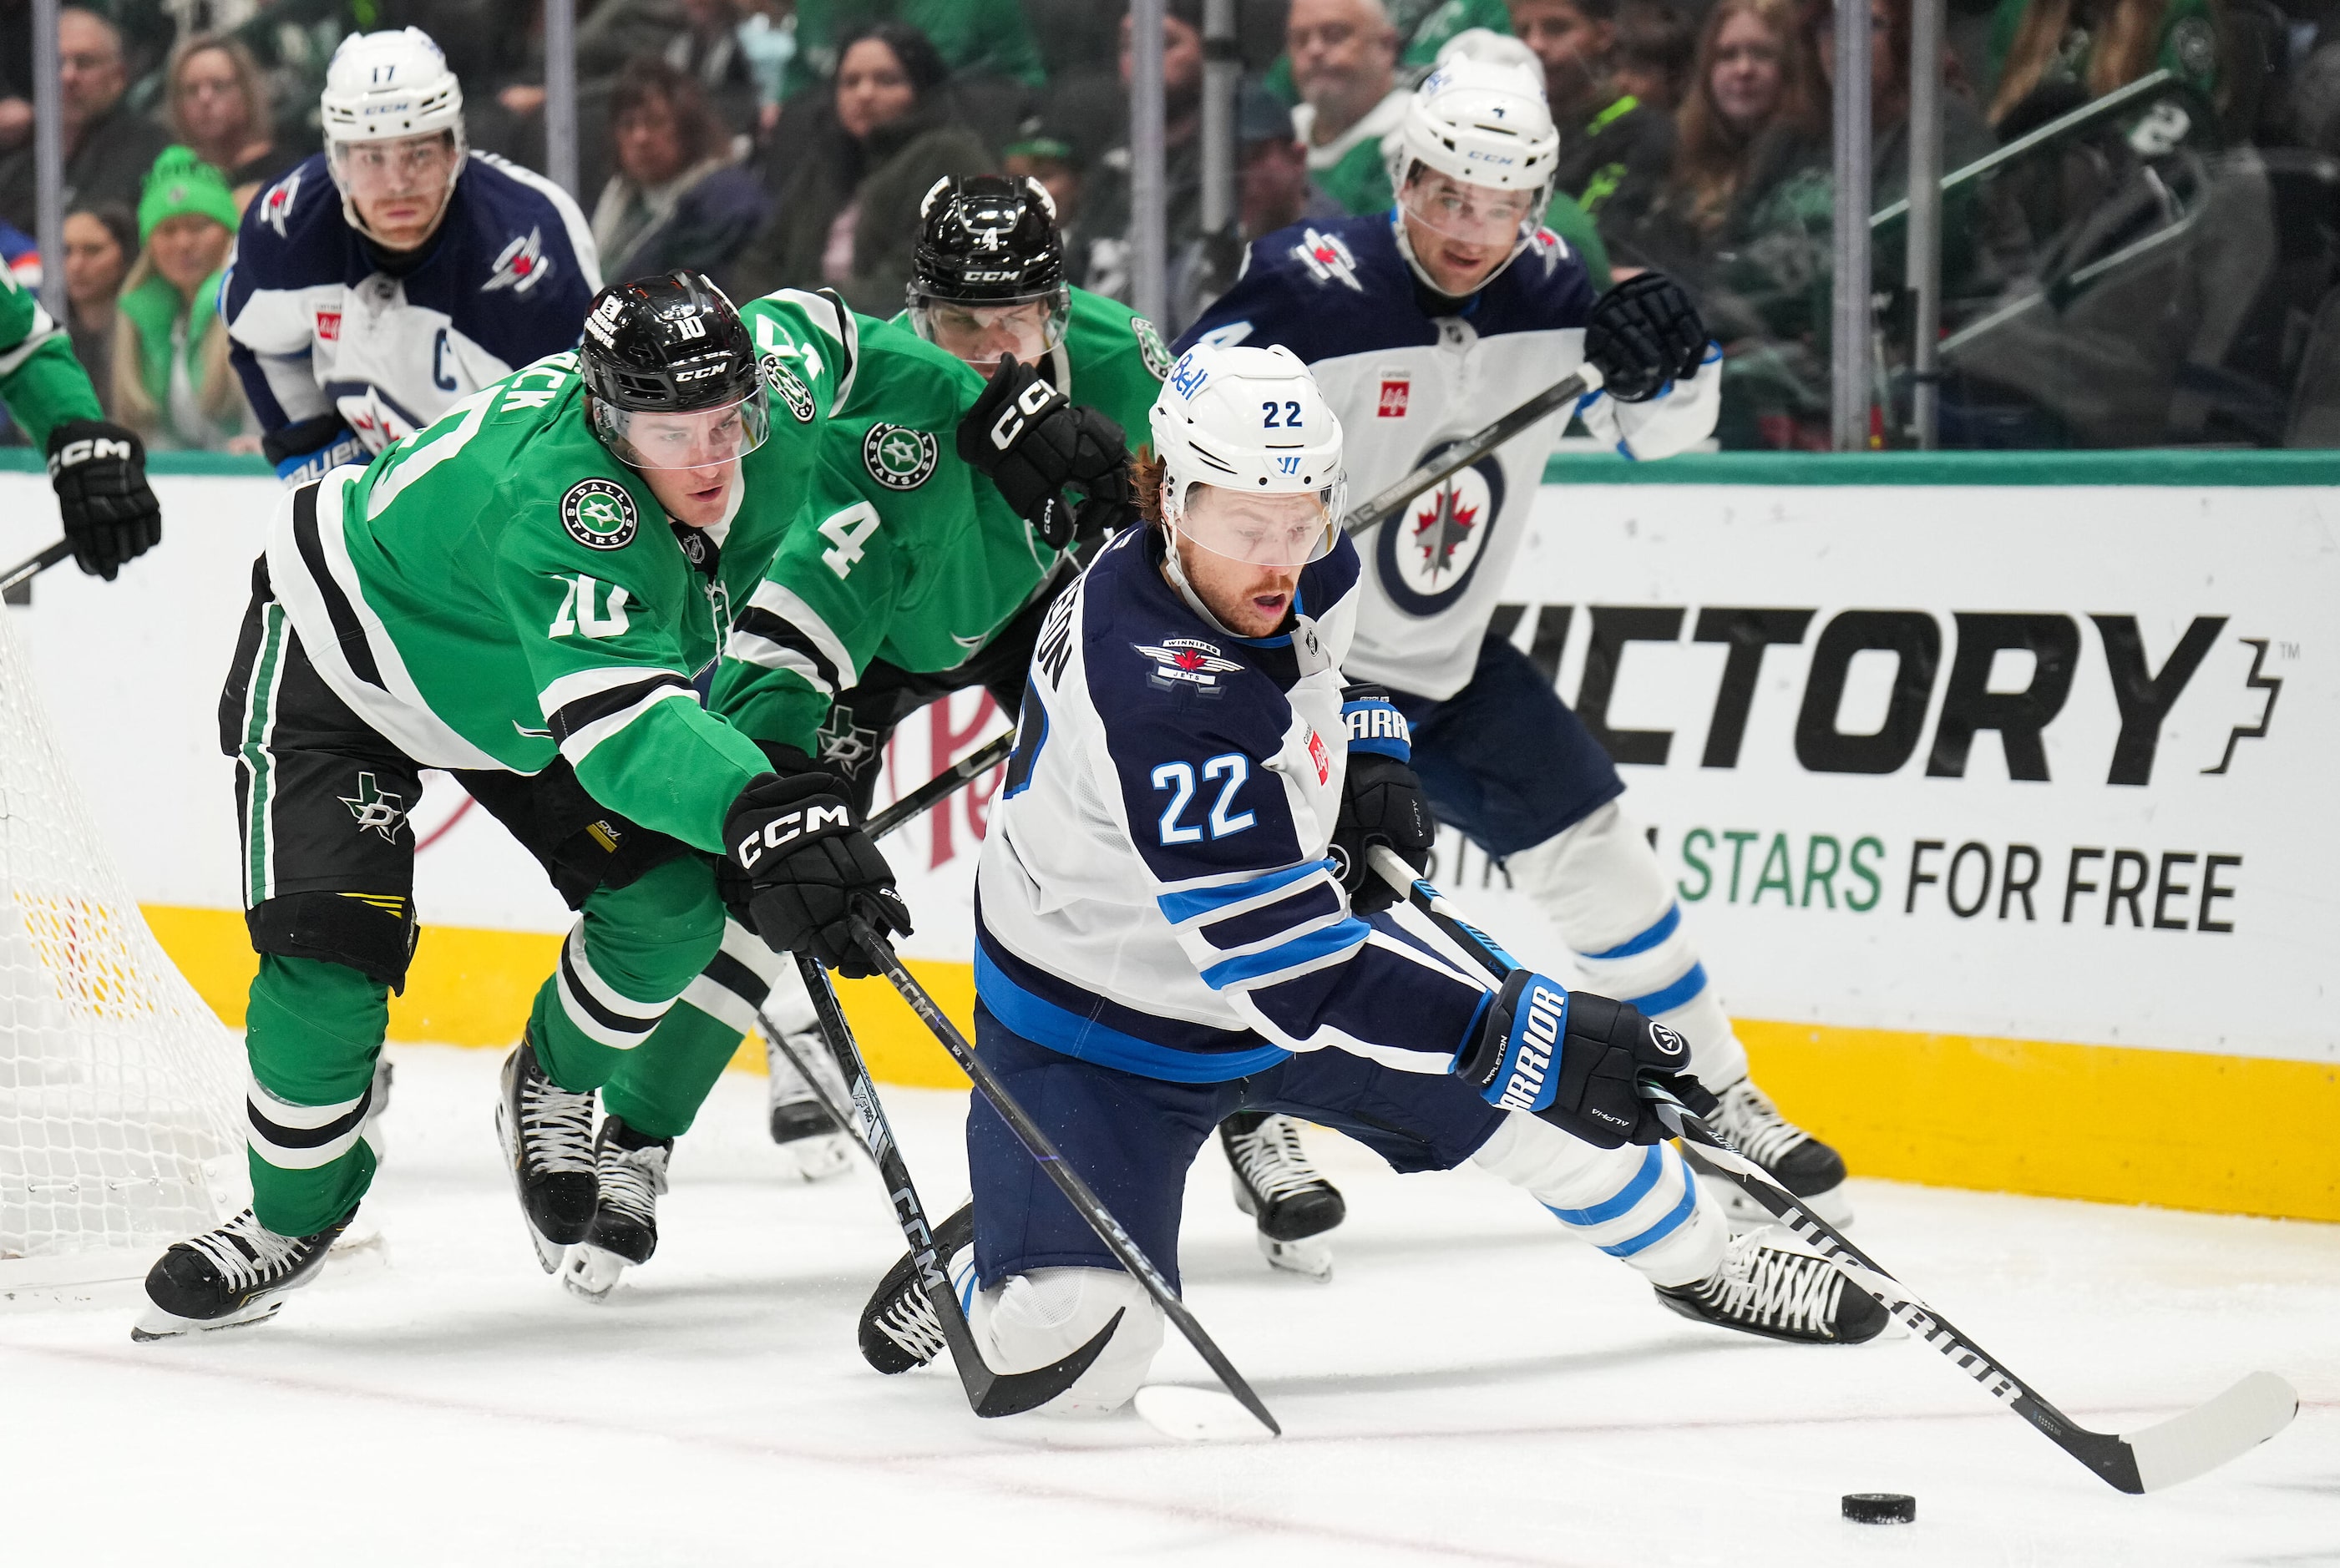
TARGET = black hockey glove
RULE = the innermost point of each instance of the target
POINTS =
(808, 866)
(1382, 801)
(308, 449)
(1572, 1058)
(1030, 441)
(99, 471)
(1644, 332)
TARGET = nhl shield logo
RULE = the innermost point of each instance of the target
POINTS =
(598, 514)
(899, 458)
(1427, 555)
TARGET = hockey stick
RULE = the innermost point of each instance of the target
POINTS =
(32, 566)
(1392, 500)
(2147, 1460)
(1068, 1181)
(915, 804)
(988, 1393)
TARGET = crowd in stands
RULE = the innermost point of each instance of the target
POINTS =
(777, 142)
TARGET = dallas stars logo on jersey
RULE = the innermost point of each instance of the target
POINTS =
(598, 514)
(377, 810)
(1150, 347)
(899, 458)
(846, 744)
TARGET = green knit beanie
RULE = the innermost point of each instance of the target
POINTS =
(181, 182)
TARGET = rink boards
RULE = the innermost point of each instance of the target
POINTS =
(1994, 788)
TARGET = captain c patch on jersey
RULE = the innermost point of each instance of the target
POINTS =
(598, 514)
(1186, 664)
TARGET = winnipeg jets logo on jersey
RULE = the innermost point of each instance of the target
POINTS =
(1328, 257)
(276, 207)
(1188, 664)
(521, 266)
(1428, 553)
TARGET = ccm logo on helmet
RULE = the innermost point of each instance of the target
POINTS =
(794, 826)
(701, 373)
(1029, 403)
(72, 454)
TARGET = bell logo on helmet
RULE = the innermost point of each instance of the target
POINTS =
(599, 513)
(897, 457)
(1187, 377)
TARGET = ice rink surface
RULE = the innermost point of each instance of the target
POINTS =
(1471, 1387)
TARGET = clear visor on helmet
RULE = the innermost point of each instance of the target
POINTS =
(980, 332)
(701, 439)
(1468, 214)
(413, 166)
(1284, 531)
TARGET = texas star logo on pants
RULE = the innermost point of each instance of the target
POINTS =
(899, 458)
(376, 809)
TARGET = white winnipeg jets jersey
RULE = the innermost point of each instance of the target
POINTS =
(319, 324)
(1155, 892)
(1406, 385)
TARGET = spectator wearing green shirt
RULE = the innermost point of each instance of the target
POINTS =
(1423, 28)
(1344, 56)
(1614, 149)
(972, 35)
(2051, 56)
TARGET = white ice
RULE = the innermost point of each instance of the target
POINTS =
(1471, 1387)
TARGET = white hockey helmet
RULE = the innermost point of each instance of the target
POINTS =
(1481, 117)
(381, 87)
(1254, 423)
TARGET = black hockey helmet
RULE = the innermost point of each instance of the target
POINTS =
(987, 241)
(669, 345)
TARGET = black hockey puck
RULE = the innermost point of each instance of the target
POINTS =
(1880, 1507)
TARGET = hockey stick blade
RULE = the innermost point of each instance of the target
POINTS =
(932, 792)
(32, 566)
(989, 1393)
(1068, 1181)
(2178, 1449)
(1392, 499)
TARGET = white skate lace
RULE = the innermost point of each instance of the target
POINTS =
(555, 1127)
(1755, 1126)
(1760, 1284)
(1271, 1161)
(633, 1179)
(247, 1253)
(911, 1324)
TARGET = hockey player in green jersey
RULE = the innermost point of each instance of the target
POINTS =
(524, 590)
(990, 281)
(97, 468)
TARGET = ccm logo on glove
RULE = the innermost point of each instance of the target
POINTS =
(797, 823)
(1031, 401)
(74, 454)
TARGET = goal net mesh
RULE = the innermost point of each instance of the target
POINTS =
(119, 1088)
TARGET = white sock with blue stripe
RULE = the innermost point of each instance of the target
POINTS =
(1603, 886)
(1641, 1204)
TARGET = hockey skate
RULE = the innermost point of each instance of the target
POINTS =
(1796, 1159)
(1766, 1290)
(624, 1232)
(234, 1274)
(814, 1148)
(548, 1139)
(1296, 1207)
(899, 1329)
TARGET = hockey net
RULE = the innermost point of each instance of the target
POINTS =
(118, 1086)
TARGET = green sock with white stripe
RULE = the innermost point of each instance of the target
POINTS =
(311, 1032)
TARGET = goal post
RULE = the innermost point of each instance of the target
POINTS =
(119, 1088)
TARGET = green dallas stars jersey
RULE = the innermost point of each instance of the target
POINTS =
(902, 552)
(497, 589)
(1112, 359)
(40, 381)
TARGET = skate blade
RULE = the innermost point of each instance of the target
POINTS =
(1311, 1257)
(1197, 1414)
(158, 1324)
(591, 1272)
(1743, 1213)
(820, 1158)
